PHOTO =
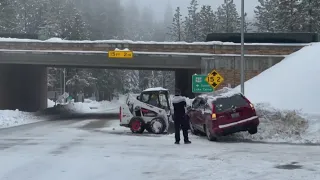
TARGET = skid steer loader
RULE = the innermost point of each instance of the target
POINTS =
(151, 111)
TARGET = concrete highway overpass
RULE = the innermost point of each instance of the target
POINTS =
(23, 63)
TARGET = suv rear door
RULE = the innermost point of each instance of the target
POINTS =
(196, 112)
(232, 109)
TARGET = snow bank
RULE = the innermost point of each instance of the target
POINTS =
(59, 40)
(50, 103)
(89, 106)
(286, 98)
(290, 84)
(280, 126)
(9, 118)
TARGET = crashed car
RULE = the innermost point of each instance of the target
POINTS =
(222, 114)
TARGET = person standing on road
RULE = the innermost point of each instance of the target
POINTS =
(179, 117)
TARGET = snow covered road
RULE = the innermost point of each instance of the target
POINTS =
(86, 150)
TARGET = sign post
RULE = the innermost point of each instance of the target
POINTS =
(120, 54)
(200, 85)
(214, 79)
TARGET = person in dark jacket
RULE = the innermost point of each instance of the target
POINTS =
(179, 117)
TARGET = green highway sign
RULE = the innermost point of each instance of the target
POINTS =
(200, 85)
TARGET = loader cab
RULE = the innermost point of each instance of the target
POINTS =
(158, 97)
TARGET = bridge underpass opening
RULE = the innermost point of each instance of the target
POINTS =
(105, 83)
(23, 87)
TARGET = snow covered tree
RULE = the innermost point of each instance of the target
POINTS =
(131, 81)
(167, 20)
(31, 14)
(159, 33)
(207, 20)
(64, 20)
(228, 19)
(104, 18)
(52, 20)
(8, 14)
(53, 78)
(176, 31)
(79, 79)
(147, 24)
(310, 11)
(192, 22)
(266, 16)
(288, 17)
(132, 21)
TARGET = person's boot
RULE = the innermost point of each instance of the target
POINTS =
(187, 142)
(177, 142)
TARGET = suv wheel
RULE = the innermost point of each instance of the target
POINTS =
(193, 131)
(253, 130)
(210, 136)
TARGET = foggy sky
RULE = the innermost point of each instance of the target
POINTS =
(159, 6)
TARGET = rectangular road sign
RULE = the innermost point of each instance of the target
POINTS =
(200, 85)
(120, 54)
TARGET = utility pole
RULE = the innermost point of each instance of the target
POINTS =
(242, 48)
(64, 80)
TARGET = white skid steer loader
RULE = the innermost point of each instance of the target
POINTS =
(150, 111)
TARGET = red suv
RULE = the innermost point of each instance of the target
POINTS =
(222, 115)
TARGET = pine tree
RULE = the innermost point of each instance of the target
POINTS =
(8, 21)
(159, 32)
(288, 16)
(167, 21)
(176, 31)
(131, 81)
(53, 20)
(147, 25)
(207, 21)
(132, 21)
(266, 15)
(310, 11)
(192, 23)
(228, 19)
(79, 79)
(31, 14)
(145, 79)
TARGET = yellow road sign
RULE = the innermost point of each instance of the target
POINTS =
(120, 54)
(214, 79)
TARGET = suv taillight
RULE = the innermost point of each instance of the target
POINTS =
(247, 100)
(120, 114)
(213, 115)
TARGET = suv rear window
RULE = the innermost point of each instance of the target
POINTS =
(225, 104)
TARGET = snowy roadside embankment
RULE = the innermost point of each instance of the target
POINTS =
(10, 118)
(89, 106)
(281, 126)
(295, 116)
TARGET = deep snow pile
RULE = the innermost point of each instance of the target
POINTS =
(281, 126)
(286, 98)
(290, 84)
(9, 118)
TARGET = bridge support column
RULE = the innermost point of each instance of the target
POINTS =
(23, 87)
(183, 81)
